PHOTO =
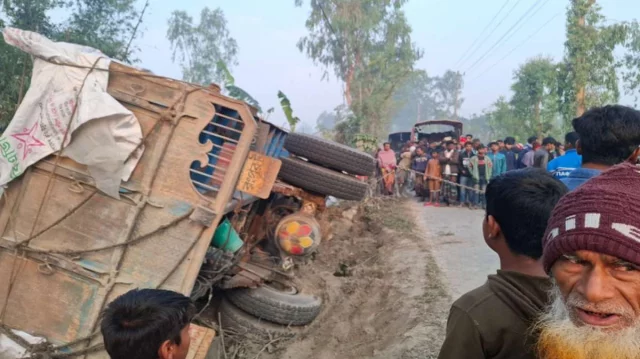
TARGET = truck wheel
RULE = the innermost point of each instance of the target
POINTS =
(275, 305)
(237, 321)
(321, 180)
(330, 154)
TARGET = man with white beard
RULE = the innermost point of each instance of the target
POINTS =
(592, 251)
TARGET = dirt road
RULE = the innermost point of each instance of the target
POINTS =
(387, 279)
(455, 239)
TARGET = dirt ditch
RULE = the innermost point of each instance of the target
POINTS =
(382, 291)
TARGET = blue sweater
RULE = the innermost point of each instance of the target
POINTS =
(499, 163)
(562, 166)
(578, 177)
(420, 164)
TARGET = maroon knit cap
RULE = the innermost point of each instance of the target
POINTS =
(602, 215)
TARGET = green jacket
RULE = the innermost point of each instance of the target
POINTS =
(473, 168)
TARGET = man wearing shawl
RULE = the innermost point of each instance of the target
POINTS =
(387, 164)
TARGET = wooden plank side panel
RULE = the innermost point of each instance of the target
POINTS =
(57, 306)
(96, 223)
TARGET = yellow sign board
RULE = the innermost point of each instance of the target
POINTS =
(258, 175)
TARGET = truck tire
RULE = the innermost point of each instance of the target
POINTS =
(237, 321)
(321, 180)
(330, 154)
(271, 304)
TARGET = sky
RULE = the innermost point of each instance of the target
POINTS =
(269, 60)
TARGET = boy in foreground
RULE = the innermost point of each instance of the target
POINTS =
(493, 321)
(148, 324)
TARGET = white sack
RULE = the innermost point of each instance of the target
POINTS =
(103, 132)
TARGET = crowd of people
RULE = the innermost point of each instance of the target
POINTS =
(568, 238)
(456, 171)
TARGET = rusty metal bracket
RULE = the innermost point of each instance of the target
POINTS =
(313, 202)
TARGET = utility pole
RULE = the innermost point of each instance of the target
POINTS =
(455, 96)
(581, 83)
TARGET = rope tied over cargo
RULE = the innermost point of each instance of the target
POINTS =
(172, 115)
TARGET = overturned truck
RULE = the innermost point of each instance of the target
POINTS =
(159, 184)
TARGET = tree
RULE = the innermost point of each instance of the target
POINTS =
(325, 124)
(414, 101)
(590, 66)
(367, 44)
(449, 90)
(16, 66)
(201, 48)
(502, 122)
(534, 100)
(347, 126)
(108, 25)
(631, 60)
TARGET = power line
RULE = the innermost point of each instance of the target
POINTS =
(506, 40)
(517, 47)
(490, 33)
(481, 33)
(503, 36)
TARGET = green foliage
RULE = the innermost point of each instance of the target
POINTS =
(479, 126)
(325, 123)
(240, 94)
(534, 108)
(631, 60)
(414, 101)
(107, 25)
(423, 98)
(346, 126)
(32, 15)
(448, 96)
(535, 101)
(232, 90)
(201, 48)
(366, 44)
(288, 111)
(589, 58)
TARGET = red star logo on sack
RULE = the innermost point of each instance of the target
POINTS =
(27, 140)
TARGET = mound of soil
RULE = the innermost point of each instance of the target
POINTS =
(383, 297)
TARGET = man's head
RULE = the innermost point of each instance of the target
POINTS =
(468, 146)
(469, 138)
(592, 251)
(531, 140)
(509, 142)
(476, 143)
(386, 146)
(148, 324)
(434, 154)
(420, 151)
(608, 135)
(519, 204)
(500, 144)
(482, 150)
(494, 146)
(433, 144)
(451, 145)
(549, 144)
